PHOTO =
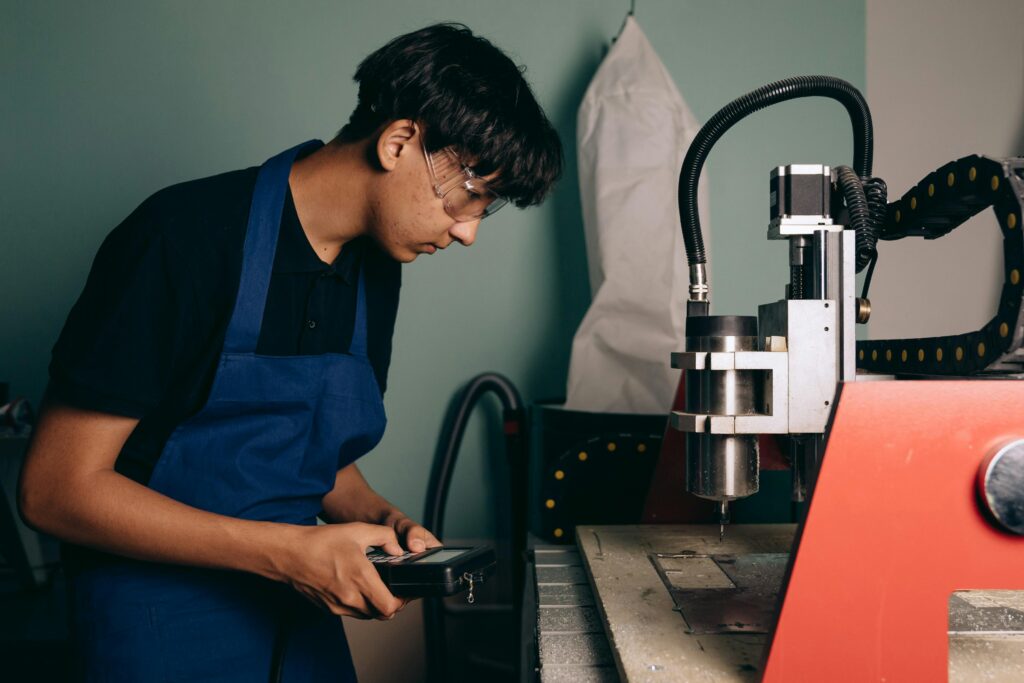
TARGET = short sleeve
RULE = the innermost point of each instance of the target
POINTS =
(124, 336)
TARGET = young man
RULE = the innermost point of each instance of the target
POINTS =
(224, 366)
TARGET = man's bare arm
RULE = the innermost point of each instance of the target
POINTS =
(69, 489)
(353, 500)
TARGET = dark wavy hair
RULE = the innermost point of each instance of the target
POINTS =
(468, 95)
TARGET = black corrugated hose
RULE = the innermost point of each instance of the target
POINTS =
(765, 96)
(437, 496)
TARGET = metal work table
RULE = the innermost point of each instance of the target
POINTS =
(672, 603)
(650, 640)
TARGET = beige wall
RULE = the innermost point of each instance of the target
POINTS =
(945, 79)
(389, 651)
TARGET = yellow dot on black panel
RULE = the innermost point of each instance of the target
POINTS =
(1011, 221)
(559, 475)
(959, 353)
(641, 448)
(611, 446)
(995, 182)
(888, 354)
(938, 355)
(1014, 276)
(860, 354)
(972, 174)
(903, 355)
(559, 533)
(549, 503)
(874, 354)
(931, 189)
(981, 349)
(913, 203)
(920, 355)
(583, 456)
(1004, 329)
(950, 179)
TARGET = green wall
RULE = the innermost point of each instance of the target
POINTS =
(102, 103)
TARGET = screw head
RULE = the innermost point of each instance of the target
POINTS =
(1001, 487)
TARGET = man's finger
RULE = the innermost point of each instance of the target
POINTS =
(415, 542)
(431, 540)
(419, 539)
(379, 597)
(383, 537)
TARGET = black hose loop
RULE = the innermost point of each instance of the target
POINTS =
(451, 440)
(454, 428)
(732, 113)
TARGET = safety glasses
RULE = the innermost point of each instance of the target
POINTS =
(465, 195)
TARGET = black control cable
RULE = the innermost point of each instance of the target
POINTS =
(440, 481)
(773, 93)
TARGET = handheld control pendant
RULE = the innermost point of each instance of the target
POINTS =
(435, 572)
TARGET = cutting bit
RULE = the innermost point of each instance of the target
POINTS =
(723, 518)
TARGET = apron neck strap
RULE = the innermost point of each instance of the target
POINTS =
(260, 247)
(358, 347)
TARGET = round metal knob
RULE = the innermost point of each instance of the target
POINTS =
(1001, 486)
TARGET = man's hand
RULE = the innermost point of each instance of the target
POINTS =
(328, 565)
(411, 535)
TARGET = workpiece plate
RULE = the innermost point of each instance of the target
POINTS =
(650, 640)
(724, 593)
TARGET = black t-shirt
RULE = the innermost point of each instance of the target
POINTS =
(144, 338)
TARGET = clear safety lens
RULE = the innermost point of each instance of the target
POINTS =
(466, 197)
(469, 202)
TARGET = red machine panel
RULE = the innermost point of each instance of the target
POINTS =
(894, 527)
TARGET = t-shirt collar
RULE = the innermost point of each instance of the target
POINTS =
(296, 255)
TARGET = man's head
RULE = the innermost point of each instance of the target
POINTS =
(443, 91)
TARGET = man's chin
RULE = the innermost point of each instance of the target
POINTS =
(405, 256)
(400, 254)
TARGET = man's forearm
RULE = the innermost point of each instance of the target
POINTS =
(108, 511)
(353, 500)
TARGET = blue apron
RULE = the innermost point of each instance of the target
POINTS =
(266, 446)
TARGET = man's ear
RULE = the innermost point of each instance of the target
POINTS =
(398, 138)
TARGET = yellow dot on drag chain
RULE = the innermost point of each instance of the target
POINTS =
(899, 215)
(549, 503)
(888, 354)
(641, 448)
(1011, 221)
(950, 179)
(583, 456)
(1014, 276)
(559, 533)
(920, 355)
(559, 475)
(1004, 329)
(972, 174)
(981, 349)
(874, 354)
(913, 203)
(611, 446)
(903, 355)
(995, 182)
(931, 189)
(938, 355)
(959, 353)
(860, 354)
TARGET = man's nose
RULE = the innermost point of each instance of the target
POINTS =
(464, 232)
